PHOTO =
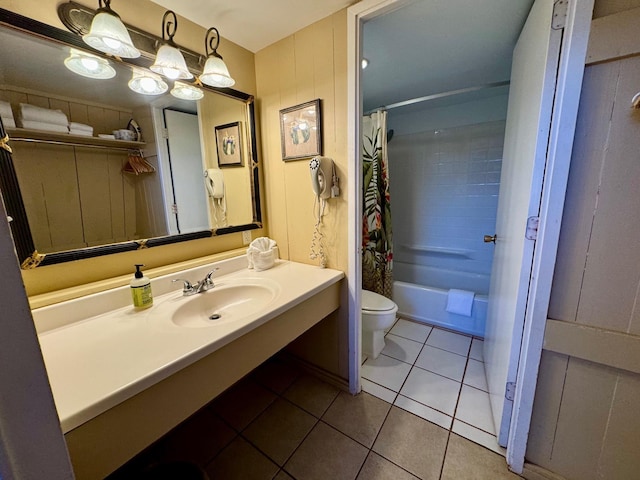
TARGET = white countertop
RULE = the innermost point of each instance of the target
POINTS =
(97, 360)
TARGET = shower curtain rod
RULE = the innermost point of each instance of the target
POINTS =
(440, 95)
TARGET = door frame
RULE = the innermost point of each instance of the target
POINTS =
(565, 109)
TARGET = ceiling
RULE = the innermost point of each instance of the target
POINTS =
(425, 47)
(255, 24)
(433, 46)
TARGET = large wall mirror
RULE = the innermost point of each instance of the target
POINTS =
(191, 173)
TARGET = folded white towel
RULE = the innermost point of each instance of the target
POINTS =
(8, 122)
(44, 115)
(262, 253)
(80, 126)
(86, 133)
(460, 302)
(49, 127)
(5, 109)
(7, 115)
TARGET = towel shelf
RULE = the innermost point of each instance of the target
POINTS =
(55, 138)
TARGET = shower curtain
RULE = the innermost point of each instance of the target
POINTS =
(377, 252)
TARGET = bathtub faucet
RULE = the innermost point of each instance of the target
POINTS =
(203, 285)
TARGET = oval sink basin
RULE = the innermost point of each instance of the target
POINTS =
(224, 303)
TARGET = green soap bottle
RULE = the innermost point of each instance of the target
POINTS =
(141, 289)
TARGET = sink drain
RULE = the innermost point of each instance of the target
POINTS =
(215, 316)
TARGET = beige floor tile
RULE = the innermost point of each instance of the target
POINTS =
(326, 454)
(379, 468)
(280, 429)
(276, 374)
(198, 439)
(360, 416)
(241, 461)
(413, 443)
(243, 402)
(311, 394)
(282, 475)
(467, 461)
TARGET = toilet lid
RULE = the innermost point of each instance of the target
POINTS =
(376, 302)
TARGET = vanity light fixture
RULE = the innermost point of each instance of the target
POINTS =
(147, 83)
(186, 92)
(108, 34)
(216, 73)
(89, 65)
(169, 60)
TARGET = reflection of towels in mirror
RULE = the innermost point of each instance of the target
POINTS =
(460, 302)
(7, 115)
(32, 113)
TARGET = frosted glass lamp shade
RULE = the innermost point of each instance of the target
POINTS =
(89, 65)
(109, 35)
(216, 73)
(147, 83)
(170, 63)
(186, 92)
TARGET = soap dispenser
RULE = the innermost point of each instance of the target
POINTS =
(141, 289)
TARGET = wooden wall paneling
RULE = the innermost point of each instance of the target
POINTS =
(25, 157)
(607, 347)
(80, 113)
(300, 198)
(272, 82)
(15, 99)
(93, 182)
(60, 185)
(553, 367)
(592, 133)
(115, 162)
(619, 458)
(97, 120)
(129, 195)
(614, 36)
(38, 100)
(112, 120)
(613, 263)
(63, 105)
(582, 422)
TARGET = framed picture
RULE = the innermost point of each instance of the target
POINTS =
(229, 144)
(300, 131)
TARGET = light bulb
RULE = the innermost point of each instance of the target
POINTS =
(112, 43)
(171, 73)
(90, 64)
(148, 84)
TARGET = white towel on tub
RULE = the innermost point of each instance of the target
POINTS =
(460, 302)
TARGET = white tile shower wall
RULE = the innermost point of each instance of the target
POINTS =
(444, 195)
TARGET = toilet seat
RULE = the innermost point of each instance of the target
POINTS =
(374, 302)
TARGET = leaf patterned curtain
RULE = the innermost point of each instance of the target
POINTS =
(377, 251)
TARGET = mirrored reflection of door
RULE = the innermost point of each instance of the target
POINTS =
(186, 170)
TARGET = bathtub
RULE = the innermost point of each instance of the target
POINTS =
(444, 278)
(428, 305)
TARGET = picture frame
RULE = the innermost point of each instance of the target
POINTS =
(301, 131)
(229, 144)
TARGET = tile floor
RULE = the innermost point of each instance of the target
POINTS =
(282, 423)
(437, 375)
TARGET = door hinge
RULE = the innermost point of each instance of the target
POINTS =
(174, 209)
(510, 391)
(165, 133)
(560, 8)
(532, 228)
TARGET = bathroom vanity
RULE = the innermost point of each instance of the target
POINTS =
(122, 378)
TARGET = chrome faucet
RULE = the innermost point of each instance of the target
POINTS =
(203, 285)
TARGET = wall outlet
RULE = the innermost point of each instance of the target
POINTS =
(246, 237)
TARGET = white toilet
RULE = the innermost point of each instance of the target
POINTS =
(378, 315)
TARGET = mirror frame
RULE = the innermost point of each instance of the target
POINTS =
(10, 189)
